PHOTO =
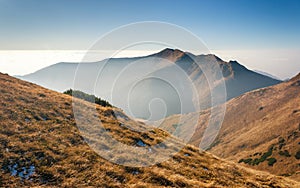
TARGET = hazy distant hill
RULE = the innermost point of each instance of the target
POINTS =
(261, 129)
(267, 74)
(41, 146)
(100, 77)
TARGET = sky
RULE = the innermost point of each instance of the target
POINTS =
(259, 34)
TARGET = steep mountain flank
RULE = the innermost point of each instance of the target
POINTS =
(261, 129)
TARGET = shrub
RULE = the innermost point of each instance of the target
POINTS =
(297, 155)
(271, 161)
(256, 161)
(267, 154)
(284, 153)
(87, 97)
(281, 142)
(247, 161)
(257, 153)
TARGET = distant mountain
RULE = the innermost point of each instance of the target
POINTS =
(41, 146)
(267, 74)
(142, 78)
(261, 129)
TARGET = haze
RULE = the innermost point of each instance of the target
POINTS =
(262, 35)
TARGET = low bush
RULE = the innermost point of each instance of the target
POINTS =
(256, 161)
(247, 161)
(271, 161)
(285, 153)
(281, 142)
(297, 156)
(267, 154)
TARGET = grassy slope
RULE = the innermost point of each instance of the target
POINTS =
(256, 121)
(38, 129)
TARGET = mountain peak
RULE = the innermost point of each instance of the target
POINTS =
(237, 66)
(170, 50)
(233, 61)
(170, 54)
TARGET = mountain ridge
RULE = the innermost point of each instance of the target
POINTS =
(258, 126)
(179, 67)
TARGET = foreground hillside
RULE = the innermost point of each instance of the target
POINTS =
(261, 129)
(40, 145)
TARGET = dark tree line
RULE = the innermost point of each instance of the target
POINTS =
(87, 97)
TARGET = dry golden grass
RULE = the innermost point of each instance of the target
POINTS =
(256, 121)
(38, 129)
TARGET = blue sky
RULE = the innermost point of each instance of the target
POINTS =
(261, 34)
(222, 24)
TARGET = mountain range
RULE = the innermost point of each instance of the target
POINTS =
(192, 82)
